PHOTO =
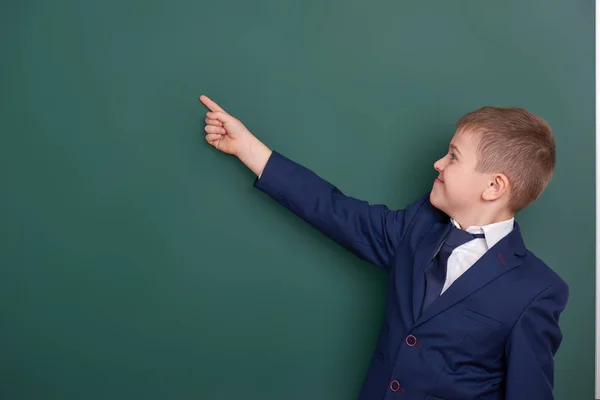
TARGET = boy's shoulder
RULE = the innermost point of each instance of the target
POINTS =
(543, 274)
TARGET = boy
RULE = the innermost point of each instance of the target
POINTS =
(471, 313)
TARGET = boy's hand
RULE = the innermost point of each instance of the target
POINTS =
(223, 131)
(229, 135)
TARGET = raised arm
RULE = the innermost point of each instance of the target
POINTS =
(373, 232)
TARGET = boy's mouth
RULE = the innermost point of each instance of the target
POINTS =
(439, 180)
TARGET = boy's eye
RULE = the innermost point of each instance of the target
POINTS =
(452, 156)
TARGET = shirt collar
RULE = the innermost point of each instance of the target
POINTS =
(493, 232)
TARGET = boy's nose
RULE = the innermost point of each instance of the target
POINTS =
(438, 165)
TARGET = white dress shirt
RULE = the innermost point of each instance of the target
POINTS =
(464, 256)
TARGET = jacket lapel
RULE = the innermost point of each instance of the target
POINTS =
(424, 255)
(501, 258)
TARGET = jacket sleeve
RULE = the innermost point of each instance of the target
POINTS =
(532, 345)
(372, 232)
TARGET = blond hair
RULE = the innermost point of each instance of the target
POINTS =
(516, 143)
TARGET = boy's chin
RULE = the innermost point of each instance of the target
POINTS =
(438, 203)
(435, 200)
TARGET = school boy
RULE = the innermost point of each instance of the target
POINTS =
(471, 313)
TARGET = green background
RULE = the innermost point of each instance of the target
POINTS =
(138, 262)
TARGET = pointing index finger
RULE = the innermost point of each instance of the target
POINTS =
(210, 104)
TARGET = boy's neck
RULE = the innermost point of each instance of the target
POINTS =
(482, 219)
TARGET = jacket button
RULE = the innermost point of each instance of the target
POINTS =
(411, 340)
(395, 386)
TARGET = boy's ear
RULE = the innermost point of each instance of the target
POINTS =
(497, 186)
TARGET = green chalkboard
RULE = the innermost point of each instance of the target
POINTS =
(138, 262)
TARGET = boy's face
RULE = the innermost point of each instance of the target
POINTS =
(458, 189)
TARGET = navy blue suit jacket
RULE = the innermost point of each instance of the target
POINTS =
(492, 335)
